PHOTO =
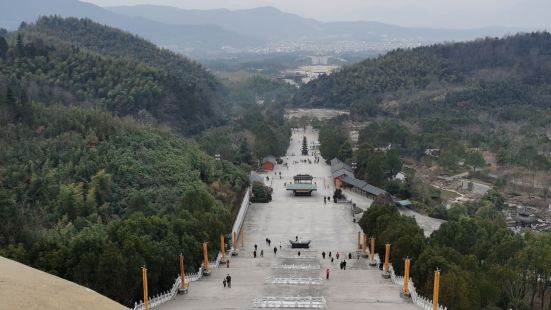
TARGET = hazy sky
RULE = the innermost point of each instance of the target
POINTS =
(434, 13)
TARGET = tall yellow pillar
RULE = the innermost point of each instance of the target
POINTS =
(372, 261)
(359, 241)
(387, 256)
(405, 290)
(145, 288)
(242, 238)
(205, 256)
(365, 244)
(436, 289)
(222, 246)
(182, 274)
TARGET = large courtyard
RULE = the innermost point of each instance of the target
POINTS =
(330, 227)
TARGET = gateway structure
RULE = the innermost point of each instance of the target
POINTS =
(302, 185)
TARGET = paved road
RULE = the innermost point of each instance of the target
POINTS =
(329, 226)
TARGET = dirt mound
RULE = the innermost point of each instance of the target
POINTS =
(23, 287)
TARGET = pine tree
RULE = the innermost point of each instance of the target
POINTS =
(19, 46)
(3, 47)
(10, 98)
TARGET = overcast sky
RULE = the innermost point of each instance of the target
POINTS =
(433, 13)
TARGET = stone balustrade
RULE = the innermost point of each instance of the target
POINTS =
(196, 276)
(423, 302)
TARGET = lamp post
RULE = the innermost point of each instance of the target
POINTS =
(182, 274)
(405, 289)
(372, 261)
(206, 271)
(145, 288)
(386, 273)
(436, 289)
(242, 238)
(222, 248)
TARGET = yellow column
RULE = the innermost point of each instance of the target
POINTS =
(222, 246)
(145, 290)
(205, 255)
(242, 239)
(436, 289)
(372, 252)
(406, 277)
(387, 256)
(365, 244)
(359, 241)
(182, 274)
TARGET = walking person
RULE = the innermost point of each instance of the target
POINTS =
(338, 255)
(327, 274)
(349, 255)
(228, 263)
(261, 253)
(255, 247)
(254, 254)
(224, 282)
(228, 280)
(323, 254)
(275, 250)
(329, 253)
(299, 253)
(344, 264)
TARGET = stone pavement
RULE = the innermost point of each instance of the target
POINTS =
(329, 226)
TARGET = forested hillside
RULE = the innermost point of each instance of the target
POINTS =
(258, 127)
(91, 197)
(489, 94)
(461, 76)
(79, 62)
(96, 179)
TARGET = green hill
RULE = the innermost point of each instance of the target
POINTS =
(79, 62)
(481, 74)
(91, 198)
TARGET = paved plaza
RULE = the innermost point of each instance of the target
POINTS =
(330, 228)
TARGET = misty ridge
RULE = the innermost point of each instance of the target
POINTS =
(217, 31)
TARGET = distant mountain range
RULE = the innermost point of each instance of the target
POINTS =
(203, 31)
(272, 24)
(181, 36)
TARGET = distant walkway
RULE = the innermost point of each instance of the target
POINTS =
(279, 278)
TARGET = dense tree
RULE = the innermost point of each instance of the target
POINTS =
(140, 79)
(91, 198)
(475, 160)
(3, 47)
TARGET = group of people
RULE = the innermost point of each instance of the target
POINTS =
(337, 255)
(268, 243)
(326, 199)
(227, 281)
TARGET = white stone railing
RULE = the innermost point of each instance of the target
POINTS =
(240, 218)
(159, 299)
(196, 276)
(423, 302)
